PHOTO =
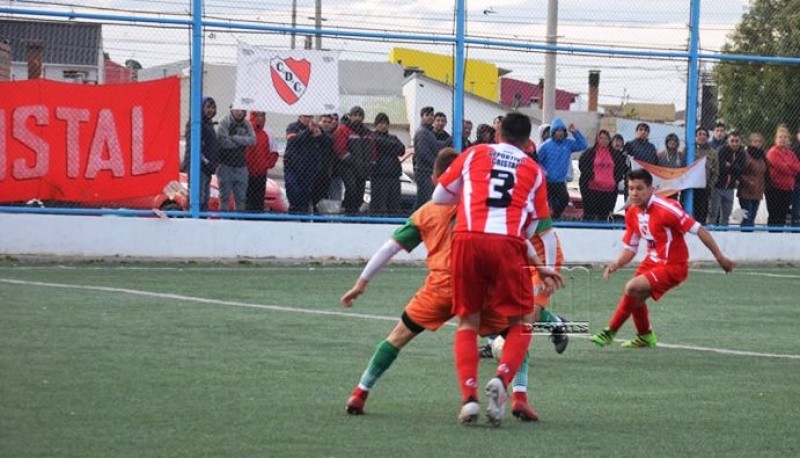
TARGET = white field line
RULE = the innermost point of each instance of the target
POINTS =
(280, 308)
(744, 272)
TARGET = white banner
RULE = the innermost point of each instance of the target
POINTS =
(667, 181)
(289, 82)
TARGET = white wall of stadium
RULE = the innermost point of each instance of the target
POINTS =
(185, 239)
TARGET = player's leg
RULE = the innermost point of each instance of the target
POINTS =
(661, 279)
(637, 290)
(466, 361)
(520, 407)
(383, 357)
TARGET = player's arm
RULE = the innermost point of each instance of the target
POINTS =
(708, 240)
(625, 256)
(406, 238)
(630, 243)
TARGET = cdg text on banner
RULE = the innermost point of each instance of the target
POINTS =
(287, 82)
(84, 143)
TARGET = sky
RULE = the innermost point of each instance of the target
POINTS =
(618, 24)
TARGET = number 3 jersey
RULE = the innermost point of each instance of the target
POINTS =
(661, 226)
(501, 190)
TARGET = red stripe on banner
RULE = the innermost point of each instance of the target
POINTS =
(85, 143)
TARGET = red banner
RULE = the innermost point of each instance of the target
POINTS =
(82, 143)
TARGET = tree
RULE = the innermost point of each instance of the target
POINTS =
(754, 96)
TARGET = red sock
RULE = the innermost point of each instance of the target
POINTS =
(465, 350)
(624, 309)
(641, 318)
(520, 396)
(518, 340)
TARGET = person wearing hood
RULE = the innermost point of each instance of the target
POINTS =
(640, 147)
(209, 151)
(544, 133)
(601, 167)
(259, 158)
(555, 157)
(353, 144)
(234, 134)
(672, 157)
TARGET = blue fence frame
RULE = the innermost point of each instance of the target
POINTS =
(459, 40)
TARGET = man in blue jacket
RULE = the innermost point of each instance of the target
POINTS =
(555, 157)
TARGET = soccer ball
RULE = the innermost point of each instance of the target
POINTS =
(497, 346)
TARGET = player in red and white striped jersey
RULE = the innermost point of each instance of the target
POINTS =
(661, 224)
(501, 194)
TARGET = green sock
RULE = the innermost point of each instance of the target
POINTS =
(383, 357)
(520, 382)
(546, 317)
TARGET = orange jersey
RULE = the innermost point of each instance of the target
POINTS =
(432, 225)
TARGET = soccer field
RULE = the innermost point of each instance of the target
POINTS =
(189, 360)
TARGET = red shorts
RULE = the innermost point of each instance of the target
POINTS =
(662, 277)
(492, 270)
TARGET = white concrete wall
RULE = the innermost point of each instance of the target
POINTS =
(107, 236)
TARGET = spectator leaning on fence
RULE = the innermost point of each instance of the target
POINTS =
(259, 158)
(555, 157)
(640, 147)
(783, 167)
(601, 167)
(353, 144)
(751, 185)
(425, 151)
(731, 165)
(701, 195)
(209, 151)
(234, 133)
(385, 182)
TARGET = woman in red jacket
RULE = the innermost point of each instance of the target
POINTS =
(783, 168)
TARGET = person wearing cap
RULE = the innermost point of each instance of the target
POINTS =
(352, 143)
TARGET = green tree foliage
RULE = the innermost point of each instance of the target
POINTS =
(757, 97)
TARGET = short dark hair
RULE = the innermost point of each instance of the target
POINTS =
(734, 133)
(700, 129)
(439, 114)
(381, 117)
(644, 125)
(516, 129)
(719, 124)
(426, 111)
(641, 174)
(356, 111)
(445, 157)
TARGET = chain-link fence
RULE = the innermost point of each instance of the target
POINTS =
(334, 110)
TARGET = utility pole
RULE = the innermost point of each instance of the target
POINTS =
(294, 21)
(318, 24)
(549, 95)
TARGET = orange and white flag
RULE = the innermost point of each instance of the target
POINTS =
(668, 181)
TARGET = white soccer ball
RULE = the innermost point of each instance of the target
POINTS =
(497, 346)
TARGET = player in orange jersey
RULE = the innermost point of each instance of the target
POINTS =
(661, 224)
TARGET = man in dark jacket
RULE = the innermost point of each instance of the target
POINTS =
(640, 148)
(732, 160)
(352, 142)
(209, 151)
(425, 151)
(302, 165)
(385, 181)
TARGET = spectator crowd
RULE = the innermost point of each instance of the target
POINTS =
(343, 160)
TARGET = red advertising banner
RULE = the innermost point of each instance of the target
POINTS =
(83, 143)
